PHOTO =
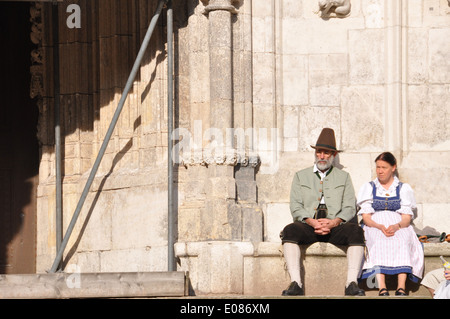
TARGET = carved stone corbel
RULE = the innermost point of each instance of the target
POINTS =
(337, 8)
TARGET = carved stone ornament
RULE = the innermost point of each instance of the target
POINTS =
(37, 68)
(226, 5)
(334, 8)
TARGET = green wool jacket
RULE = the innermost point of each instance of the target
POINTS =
(306, 192)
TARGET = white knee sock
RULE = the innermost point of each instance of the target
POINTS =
(355, 256)
(292, 256)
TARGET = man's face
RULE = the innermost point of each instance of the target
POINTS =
(324, 158)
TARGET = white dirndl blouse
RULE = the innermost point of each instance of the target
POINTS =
(401, 253)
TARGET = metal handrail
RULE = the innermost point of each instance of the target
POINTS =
(171, 215)
(108, 135)
(57, 96)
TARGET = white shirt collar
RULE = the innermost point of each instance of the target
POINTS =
(317, 170)
(391, 188)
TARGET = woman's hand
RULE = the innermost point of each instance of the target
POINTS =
(384, 230)
(390, 231)
(370, 223)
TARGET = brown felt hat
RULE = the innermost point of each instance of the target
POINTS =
(326, 140)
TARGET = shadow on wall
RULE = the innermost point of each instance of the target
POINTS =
(95, 63)
(19, 149)
(117, 158)
(96, 60)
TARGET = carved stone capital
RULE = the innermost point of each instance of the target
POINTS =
(231, 157)
(226, 5)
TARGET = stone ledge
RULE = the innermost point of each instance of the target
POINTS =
(326, 249)
(317, 260)
(221, 267)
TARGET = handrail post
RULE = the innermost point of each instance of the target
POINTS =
(171, 216)
(108, 135)
(57, 107)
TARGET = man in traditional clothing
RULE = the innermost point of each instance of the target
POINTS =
(323, 203)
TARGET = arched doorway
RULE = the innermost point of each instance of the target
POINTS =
(19, 149)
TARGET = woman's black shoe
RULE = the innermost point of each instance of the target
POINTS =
(401, 292)
(383, 292)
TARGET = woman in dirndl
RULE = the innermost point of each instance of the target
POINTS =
(386, 206)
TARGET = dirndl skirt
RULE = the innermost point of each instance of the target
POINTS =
(401, 253)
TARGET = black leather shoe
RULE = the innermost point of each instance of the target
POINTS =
(354, 290)
(293, 290)
(401, 292)
(383, 292)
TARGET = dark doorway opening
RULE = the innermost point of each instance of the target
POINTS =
(19, 148)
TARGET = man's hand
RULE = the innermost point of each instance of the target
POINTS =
(323, 226)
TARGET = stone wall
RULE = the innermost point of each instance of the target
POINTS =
(359, 74)
(255, 83)
(372, 77)
(123, 224)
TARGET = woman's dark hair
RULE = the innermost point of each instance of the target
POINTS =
(387, 157)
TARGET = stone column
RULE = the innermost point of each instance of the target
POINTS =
(221, 222)
(221, 74)
(395, 76)
(231, 212)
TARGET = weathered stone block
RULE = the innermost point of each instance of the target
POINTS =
(276, 217)
(366, 68)
(417, 49)
(139, 218)
(435, 216)
(189, 223)
(362, 119)
(221, 187)
(328, 69)
(425, 113)
(295, 79)
(312, 121)
(325, 95)
(252, 223)
(215, 220)
(439, 55)
(263, 74)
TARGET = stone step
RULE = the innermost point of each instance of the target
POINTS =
(258, 269)
(93, 285)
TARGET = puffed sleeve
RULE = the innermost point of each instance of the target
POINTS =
(365, 199)
(408, 201)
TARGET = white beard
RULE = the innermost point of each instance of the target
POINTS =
(324, 166)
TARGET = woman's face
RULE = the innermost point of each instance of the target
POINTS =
(385, 171)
